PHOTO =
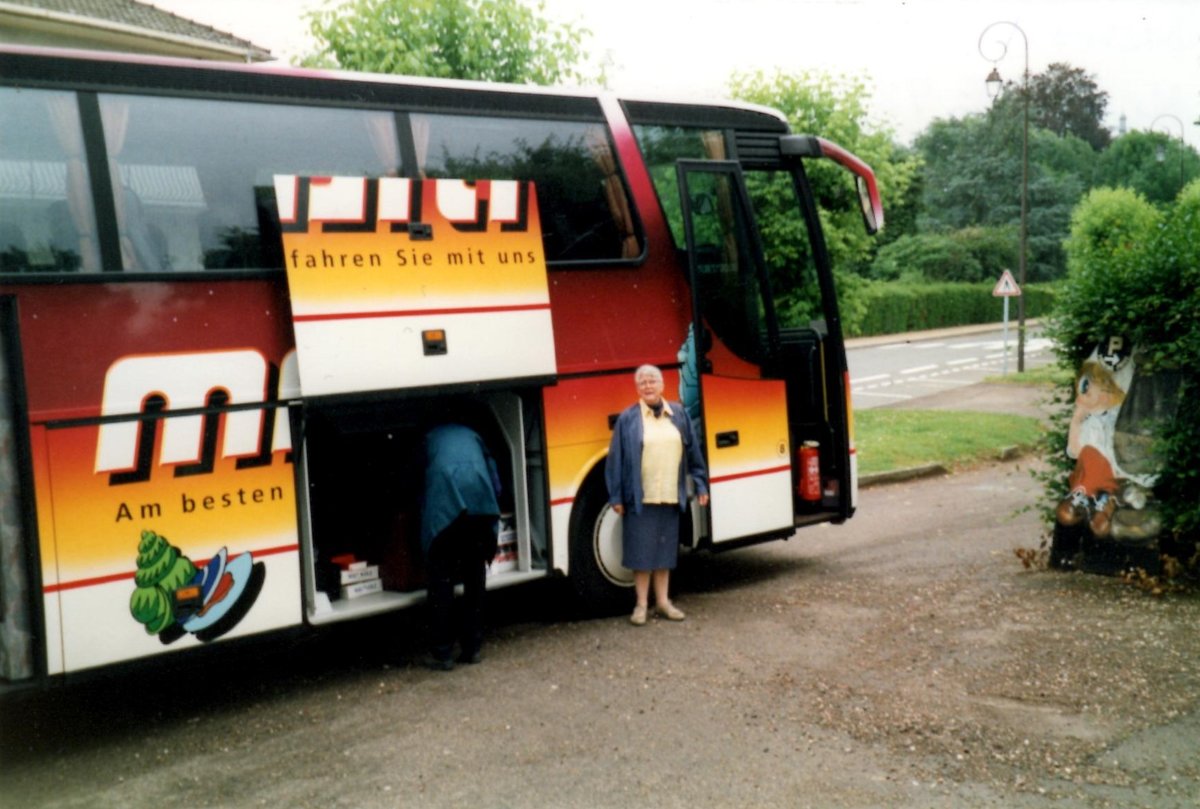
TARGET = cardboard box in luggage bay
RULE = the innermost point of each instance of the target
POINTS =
(356, 577)
(362, 588)
(506, 550)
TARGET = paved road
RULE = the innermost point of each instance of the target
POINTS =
(905, 659)
(902, 369)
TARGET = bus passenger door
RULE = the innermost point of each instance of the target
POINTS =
(741, 414)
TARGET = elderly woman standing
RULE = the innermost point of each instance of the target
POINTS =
(652, 451)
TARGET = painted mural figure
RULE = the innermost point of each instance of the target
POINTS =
(1099, 484)
(1099, 391)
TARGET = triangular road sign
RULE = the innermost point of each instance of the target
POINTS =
(1006, 287)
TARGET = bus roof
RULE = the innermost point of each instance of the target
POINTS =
(21, 64)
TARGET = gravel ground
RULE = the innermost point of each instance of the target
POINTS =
(906, 659)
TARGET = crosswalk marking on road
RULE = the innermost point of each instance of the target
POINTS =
(987, 356)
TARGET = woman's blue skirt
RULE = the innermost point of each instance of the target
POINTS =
(650, 540)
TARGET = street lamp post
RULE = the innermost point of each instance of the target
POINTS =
(994, 83)
(1161, 154)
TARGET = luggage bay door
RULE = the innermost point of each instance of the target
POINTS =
(742, 415)
(398, 283)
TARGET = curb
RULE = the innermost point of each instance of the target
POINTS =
(929, 470)
(897, 475)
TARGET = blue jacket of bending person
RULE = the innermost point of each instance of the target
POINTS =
(460, 478)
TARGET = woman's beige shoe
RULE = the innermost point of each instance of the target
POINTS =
(639, 616)
(670, 612)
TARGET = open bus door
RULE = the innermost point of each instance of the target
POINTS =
(412, 301)
(742, 415)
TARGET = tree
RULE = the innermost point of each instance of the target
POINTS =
(971, 254)
(816, 103)
(836, 108)
(972, 172)
(904, 207)
(1067, 101)
(1105, 250)
(488, 40)
(971, 176)
(1133, 161)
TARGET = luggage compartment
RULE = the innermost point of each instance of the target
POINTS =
(362, 468)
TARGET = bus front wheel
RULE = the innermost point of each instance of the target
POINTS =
(597, 576)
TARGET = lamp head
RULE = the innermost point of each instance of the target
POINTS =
(993, 83)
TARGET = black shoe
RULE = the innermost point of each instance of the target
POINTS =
(470, 658)
(439, 663)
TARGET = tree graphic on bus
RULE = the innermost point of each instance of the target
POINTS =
(175, 596)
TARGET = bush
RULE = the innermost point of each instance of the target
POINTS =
(1135, 272)
(1110, 230)
(972, 254)
(925, 256)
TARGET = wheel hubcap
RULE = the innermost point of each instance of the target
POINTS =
(606, 546)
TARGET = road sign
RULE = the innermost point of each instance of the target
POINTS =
(1006, 287)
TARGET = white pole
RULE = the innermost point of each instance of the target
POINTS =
(1005, 373)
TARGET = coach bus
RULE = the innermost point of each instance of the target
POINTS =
(233, 296)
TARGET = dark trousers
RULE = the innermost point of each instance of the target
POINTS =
(459, 554)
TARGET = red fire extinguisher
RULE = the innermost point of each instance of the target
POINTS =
(810, 471)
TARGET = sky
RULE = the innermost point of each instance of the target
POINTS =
(921, 59)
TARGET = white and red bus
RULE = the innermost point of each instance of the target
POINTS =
(232, 296)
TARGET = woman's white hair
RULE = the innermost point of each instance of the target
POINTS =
(647, 370)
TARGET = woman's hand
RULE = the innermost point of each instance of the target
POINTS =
(702, 499)
(620, 510)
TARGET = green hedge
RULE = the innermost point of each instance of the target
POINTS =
(896, 307)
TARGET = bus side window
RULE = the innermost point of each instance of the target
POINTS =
(192, 174)
(585, 207)
(63, 235)
(662, 146)
(45, 189)
(143, 244)
(13, 255)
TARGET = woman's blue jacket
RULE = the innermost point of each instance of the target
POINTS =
(623, 468)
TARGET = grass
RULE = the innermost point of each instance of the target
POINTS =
(887, 440)
(1047, 376)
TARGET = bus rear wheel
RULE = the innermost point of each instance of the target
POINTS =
(597, 576)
